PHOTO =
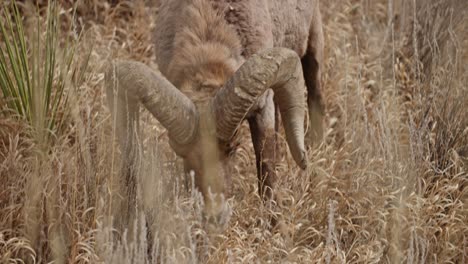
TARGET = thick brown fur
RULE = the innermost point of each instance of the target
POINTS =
(201, 43)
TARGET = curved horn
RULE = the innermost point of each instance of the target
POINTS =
(133, 83)
(276, 68)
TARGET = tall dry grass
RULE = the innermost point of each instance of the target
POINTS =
(389, 184)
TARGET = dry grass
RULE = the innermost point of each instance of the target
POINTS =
(389, 184)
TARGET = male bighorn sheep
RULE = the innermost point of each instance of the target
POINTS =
(222, 62)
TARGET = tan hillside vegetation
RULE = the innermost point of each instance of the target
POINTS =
(389, 184)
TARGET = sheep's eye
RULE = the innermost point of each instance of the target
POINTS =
(209, 86)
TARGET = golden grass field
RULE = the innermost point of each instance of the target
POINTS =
(388, 185)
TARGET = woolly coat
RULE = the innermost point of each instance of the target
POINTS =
(243, 26)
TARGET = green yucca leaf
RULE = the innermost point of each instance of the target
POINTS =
(36, 70)
(13, 91)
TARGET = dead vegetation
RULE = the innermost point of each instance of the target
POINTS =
(389, 184)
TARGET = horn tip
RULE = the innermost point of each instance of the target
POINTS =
(303, 160)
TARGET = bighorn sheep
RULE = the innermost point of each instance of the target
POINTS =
(244, 59)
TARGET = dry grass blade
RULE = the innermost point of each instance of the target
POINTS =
(389, 184)
(430, 34)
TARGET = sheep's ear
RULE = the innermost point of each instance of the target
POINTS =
(276, 68)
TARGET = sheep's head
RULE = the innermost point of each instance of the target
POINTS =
(202, 135)
(200, 70)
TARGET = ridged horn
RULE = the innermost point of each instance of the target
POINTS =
(129, 83)
(276, 68)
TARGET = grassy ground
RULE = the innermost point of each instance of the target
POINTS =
(389, 184)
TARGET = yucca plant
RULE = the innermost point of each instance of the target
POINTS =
(36, 69)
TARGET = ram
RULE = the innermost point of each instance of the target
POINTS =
(220, 63)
